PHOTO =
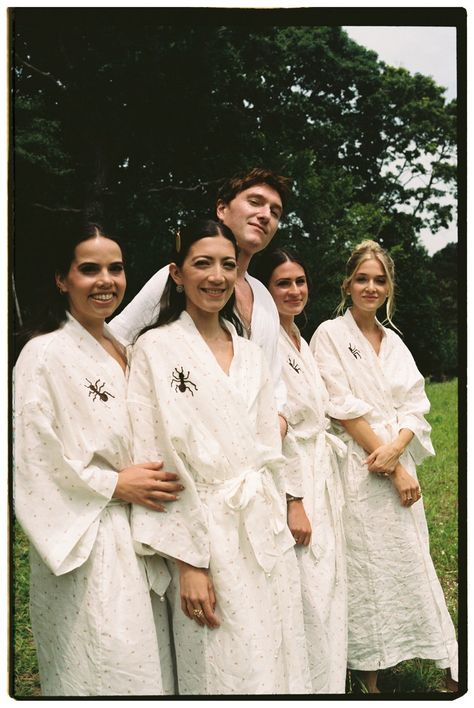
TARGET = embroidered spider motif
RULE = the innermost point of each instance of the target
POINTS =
(294, 365)
(355, 352)
(181, 382)
(98, 390)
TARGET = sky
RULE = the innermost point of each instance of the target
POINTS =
(425, 50)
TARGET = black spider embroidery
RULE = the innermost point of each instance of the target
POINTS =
(98, 391)
(294, 365)
(181, 382)
(355, 352)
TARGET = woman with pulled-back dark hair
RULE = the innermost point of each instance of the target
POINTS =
(92, 614)
(314, 492)
(201, 398)
(173, 300)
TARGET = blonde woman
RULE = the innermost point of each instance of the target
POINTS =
(397, 610)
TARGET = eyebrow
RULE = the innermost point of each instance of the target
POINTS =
(274, 205)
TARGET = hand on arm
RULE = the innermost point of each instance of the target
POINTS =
(385, 458)
(147, 484)
(198, 600)
(298, 522)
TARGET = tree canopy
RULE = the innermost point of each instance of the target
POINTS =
(134, 117)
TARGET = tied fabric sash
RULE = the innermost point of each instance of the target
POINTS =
(254, 494)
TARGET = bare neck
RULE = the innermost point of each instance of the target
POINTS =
(366, 321)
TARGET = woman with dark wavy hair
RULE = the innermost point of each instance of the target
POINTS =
(202, 399)
(92, 614)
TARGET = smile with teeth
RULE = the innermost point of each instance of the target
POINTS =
(102, 296)
(213, 291)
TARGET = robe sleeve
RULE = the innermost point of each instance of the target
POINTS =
(411, 403)
(343, 405)
(142, 310)
(180, 532)
(293, 468)
(266, 335)
(58, 500)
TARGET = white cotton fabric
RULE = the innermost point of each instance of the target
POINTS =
(145, 307)
(220, 434)
(312, 452)
(397, 609)
(91, 613)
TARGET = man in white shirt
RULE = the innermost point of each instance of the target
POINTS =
(251, 205)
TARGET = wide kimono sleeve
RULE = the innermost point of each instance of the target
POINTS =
(266, 333)
(410, 400)
(58, 499)
(180, 532)
(343, 404)
(293, 467)
(142, 310)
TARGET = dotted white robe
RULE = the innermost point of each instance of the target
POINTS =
(91, 612)
(220, 433)
(312, 452)
(397, 609)
(265, 325)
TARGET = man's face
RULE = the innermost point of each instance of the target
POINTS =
(253, 215)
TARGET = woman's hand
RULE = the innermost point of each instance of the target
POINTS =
(198, 600)
(147, 484)
(298, 522)
(406, 486)
(384, 458)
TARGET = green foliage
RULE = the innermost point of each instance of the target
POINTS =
(135, 119)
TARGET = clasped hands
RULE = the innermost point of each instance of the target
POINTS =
(385, 460)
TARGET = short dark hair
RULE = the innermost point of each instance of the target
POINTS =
(258, 175)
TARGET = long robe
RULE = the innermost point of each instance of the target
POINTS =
(220, 434)
(397, 609)
(316, 450)
(91, 612)
(265, 325)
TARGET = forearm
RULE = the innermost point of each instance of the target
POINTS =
(404, 437)
(362, 433)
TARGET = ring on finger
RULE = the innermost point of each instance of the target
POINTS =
(197, 612)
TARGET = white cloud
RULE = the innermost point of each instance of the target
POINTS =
(425, 50)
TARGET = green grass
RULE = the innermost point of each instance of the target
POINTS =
(438, 478)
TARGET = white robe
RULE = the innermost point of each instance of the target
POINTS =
(265, 325)
(220, 433)
(91, 613)
(397, 609)
(322, 564)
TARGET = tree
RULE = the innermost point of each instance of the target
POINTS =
(135, 117)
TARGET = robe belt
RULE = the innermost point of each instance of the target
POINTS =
(254, 494)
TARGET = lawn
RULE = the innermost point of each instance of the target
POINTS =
(438, 477)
